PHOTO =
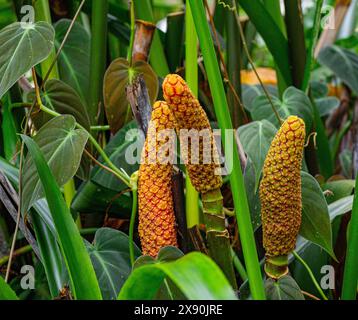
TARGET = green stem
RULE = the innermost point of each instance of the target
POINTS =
(350, 278)
(312, 44)
(274, 9)
(100, 128)
(216, 233)
(134, 184)
(296, 40)
(236, 176)
(43, 13)
(191, 75)
(131, 41)
(98, 55)
(316, 284)
(16, 253)
(131, 226)
(239, 266)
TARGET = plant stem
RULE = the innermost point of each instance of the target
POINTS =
(134, 184)
(274, 8)
(216, 233)
(296, 40)
(100, 128)
(43, 13)
(54, 74)
(143, 10)
(316, 284)
(98, 55)
(350, 277)
(312, 44)
(239, 266)
(243, 39)
(191, 75)
(236, 176)
(131, 40)
(16, 253)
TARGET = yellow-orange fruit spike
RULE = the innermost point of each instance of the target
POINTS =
(280, 188)
(156, 209)
(204, 175)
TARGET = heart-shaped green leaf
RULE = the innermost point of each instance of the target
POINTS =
(22, 46)
(74, 59)
(249, 93)
(343, 63)
(62, 145)
(110, 258)
(326, 105)
(284, 288)
(294, 102)
(316, 224)
(117, 77)
(60, 97)
(168, 290)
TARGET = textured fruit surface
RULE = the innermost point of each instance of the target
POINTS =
(156, 210)
(280, 188)
(203, 166)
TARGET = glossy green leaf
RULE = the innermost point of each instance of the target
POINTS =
(6, 293)
(62, 145)
(168, 290)
(62, 98)
(342, 62)
(294, 102)
(249, 93)
(74, 59)
(316, 225)
(83, 280)
(124, 150)
(338, 189)
(117, 77)
(326, 105)
(195, 274)
(256, 138)
(335, 209)
(110, 258)
(19, 52)
(253, 196)
(284, 288)
(94, 198)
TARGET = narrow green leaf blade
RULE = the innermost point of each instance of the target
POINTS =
(83, 280)
(6, 293)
